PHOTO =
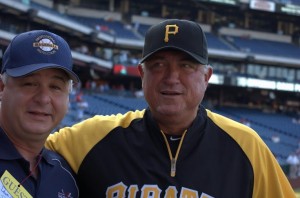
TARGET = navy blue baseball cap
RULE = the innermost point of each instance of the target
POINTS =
(36, 50)
(183, 35)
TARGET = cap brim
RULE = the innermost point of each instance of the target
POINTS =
(195, 56)
(25, 70)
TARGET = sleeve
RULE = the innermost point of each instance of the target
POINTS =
(269, 178)
(74, 142)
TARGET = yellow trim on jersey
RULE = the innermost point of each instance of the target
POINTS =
(266, 183)
(73, 143)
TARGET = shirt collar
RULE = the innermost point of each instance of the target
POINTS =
(11, 153)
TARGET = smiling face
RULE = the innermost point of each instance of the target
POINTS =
(33, 105)
(174, 84)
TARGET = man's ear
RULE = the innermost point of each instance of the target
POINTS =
(141, 71)
(1, 83)
(209, 72)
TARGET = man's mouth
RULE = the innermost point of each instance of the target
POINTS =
(170, 93)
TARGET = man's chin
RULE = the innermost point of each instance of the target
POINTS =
(38, 128)
(169, 110)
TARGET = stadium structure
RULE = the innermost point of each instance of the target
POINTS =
(253, 45)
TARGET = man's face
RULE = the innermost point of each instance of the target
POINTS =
(33, 105)
(174, 83)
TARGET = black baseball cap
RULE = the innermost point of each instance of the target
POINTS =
(183, 35)
(36, 50)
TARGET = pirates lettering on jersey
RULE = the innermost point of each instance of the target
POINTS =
(120, 190)
(170, 29)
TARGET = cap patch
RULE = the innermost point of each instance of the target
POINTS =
(170, 29)
(45, 44)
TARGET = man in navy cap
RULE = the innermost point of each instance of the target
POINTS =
(36, 80)
(175, 147)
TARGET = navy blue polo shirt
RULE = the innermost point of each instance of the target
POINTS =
(55, 179)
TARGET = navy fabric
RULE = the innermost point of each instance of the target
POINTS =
(35, 50)
(56, 178)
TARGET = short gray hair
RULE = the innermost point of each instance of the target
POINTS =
(4, 78)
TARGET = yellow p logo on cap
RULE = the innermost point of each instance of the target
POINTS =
(170, 29)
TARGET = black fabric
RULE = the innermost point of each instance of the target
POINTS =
(210, 162)
(177, 34)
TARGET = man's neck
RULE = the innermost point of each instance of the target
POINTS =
(174, 126)
(33, 156)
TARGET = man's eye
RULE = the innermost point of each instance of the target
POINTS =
(156, 65)
(189, 66)
(55, 87)
(29, 84)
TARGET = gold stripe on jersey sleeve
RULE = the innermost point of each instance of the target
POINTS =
(269, 179)
(73, 143)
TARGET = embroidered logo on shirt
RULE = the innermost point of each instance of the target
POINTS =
(152, 190)
(174, 138)
(63, 194)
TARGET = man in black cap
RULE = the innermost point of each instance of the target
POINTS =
(36, 80)
(175, 147)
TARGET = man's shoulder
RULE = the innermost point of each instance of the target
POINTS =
(55, 159)
(122, 120)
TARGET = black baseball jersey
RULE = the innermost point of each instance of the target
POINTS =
(128, 156)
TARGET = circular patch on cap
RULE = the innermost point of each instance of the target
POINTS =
(45, 44)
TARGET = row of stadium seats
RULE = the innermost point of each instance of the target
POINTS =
(221, 42)
(225, 42)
